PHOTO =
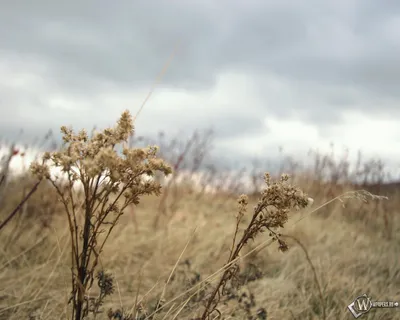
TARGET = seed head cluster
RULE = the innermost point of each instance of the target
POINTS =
(87, 159)
(113, 177)
(277, 199)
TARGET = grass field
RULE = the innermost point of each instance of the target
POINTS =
(164, 250)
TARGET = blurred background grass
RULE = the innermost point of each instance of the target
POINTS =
(354, 246)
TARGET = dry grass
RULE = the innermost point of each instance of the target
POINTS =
(169, 249)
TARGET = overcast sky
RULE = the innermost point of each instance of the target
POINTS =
(262, 74)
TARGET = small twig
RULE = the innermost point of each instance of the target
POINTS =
(313, 270)
(14, 212)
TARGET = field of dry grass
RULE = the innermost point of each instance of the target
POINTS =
(344, 249)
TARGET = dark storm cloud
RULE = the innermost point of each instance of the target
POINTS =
(339, 42)
(114, 41)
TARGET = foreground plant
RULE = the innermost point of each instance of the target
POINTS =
(271, 213)
(111, 181)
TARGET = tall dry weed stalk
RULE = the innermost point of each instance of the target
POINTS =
(4, 177)
(270, 214)
(5, 162)
(111, 182)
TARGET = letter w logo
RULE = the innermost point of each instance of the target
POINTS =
(364, 304)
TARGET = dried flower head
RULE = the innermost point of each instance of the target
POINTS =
(271, 212)
(105, 282)
(111, 181)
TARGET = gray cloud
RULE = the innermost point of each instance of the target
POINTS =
(334, 42)
(328, 56)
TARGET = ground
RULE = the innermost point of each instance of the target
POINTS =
(335, 254)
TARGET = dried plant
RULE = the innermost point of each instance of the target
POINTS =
(113, 177)
(20, 205)
(4, 170)
(270, 214)
(317, 283)
(111, 182)
(4, 176)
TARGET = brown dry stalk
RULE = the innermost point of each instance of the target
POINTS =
(111, 182)
(271, 212)
(19, 206)
(318, 285)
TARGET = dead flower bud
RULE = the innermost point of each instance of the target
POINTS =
(242, 206)
(271, 213)
(105, 282)
(42, 171)
(282, 245)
